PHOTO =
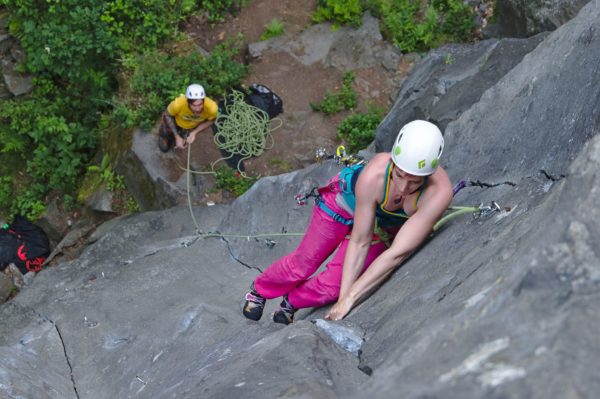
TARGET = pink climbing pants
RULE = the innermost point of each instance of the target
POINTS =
(292, 273)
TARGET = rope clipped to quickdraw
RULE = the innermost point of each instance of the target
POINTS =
(243, 130)
(476, 211)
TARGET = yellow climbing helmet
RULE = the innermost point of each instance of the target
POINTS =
(418, 148)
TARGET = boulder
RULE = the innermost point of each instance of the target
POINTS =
(523, 18)
(449, 80)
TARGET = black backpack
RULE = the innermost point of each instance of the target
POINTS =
(263, 98)
(24, 244)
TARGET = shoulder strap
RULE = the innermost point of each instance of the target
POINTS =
(348, 177)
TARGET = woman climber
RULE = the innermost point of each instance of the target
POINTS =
(374, 215)
(185, 117)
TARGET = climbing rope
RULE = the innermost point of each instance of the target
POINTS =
(243, 129)
(476, 211)
(342, 158)
(219, 235)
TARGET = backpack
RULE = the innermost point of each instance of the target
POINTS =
(24, 244)
(262, 97)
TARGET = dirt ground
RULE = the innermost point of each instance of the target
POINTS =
(303, 131)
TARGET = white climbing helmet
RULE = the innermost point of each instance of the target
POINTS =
(418, 148)
(195, 92)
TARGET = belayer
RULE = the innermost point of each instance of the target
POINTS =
(374, 215)
(185, 117)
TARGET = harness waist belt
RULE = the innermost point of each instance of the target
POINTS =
(336, 216)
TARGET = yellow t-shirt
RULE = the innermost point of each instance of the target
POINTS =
(185, 118)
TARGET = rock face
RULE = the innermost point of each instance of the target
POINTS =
(522, 18)
(14, 83)
(449, 80)
(504, 307)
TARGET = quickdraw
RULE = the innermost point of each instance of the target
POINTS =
(341, 157)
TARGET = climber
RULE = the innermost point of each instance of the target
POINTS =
(388, 207)
(185, 117)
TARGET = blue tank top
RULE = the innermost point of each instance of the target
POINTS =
(391, 219)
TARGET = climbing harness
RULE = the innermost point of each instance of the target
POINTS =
(354, 163)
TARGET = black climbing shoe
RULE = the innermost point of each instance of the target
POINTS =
(166, 141)
(285, 313)
(254, 305)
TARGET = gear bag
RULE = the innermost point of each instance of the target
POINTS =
(263, 98)
(24, 244)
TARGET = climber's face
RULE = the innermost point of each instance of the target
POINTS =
(196, 106)
(406, 183)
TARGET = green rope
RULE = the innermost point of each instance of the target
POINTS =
(245, 130)
(456, 211)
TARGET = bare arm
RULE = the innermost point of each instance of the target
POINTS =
(361, 236)
(199, 128)
(412, 234)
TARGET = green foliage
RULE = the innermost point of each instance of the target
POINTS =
(63, 38)
(217, 9)
(414, 25)
(144, 23)
(131, 206)
(52, 149)
(358, 129)
(6, 189)
(458, 19)
(339, 12)
(106, 175)
(102, 175)
(232, 181)
(281, 164)
(74, 48)
(157, 78)
(334, 102)
(273, 29)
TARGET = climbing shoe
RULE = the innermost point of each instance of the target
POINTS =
(165, 140)
(285, 313)
(254, 305)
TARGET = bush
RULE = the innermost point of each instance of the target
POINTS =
(358, 130)
(272, 29)
(339, 12)
(52, 150)
(217, 9)
(143, 24)
(334, 102)
(232, 181)
(157, 78)
(413, 25)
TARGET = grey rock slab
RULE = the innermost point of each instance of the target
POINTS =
(344, 48)
(145, 174)
(6, 287)
(101, 201)
(520, 18)
(448, 81)
(17, 83)
(552, 97)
